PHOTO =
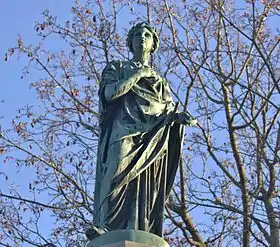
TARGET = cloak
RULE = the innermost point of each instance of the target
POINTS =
(138, 152)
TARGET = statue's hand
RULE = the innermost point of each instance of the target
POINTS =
(147, 72)
(185, 119)
(137, 74)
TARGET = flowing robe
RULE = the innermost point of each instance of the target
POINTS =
(138, 152)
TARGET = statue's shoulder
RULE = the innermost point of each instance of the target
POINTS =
(115, 65)
(112, 72)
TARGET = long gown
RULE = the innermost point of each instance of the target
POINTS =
(138, 153)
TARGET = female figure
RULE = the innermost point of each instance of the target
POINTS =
(139, 143)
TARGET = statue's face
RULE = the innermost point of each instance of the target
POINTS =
(142, 40)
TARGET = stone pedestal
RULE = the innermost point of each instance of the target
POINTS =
(128, 238)
(128, 244)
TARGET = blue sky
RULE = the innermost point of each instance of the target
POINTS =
(18, 18)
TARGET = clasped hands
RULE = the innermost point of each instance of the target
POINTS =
(141, 73)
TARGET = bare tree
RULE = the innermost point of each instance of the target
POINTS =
(222, 61)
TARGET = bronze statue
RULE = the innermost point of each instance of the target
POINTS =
(140, 141)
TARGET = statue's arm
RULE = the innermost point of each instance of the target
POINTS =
(115, 85)
(121, 87)
(117, 82)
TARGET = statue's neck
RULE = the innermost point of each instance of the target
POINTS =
(143, 58)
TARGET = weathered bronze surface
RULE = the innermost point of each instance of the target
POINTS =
(141, 132)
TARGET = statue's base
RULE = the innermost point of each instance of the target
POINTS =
(128, 238)
(128, 244)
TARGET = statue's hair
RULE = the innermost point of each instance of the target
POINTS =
(150, 28)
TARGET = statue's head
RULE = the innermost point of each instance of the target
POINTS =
(148, 32)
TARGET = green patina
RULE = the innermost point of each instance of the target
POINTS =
(141, 133)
